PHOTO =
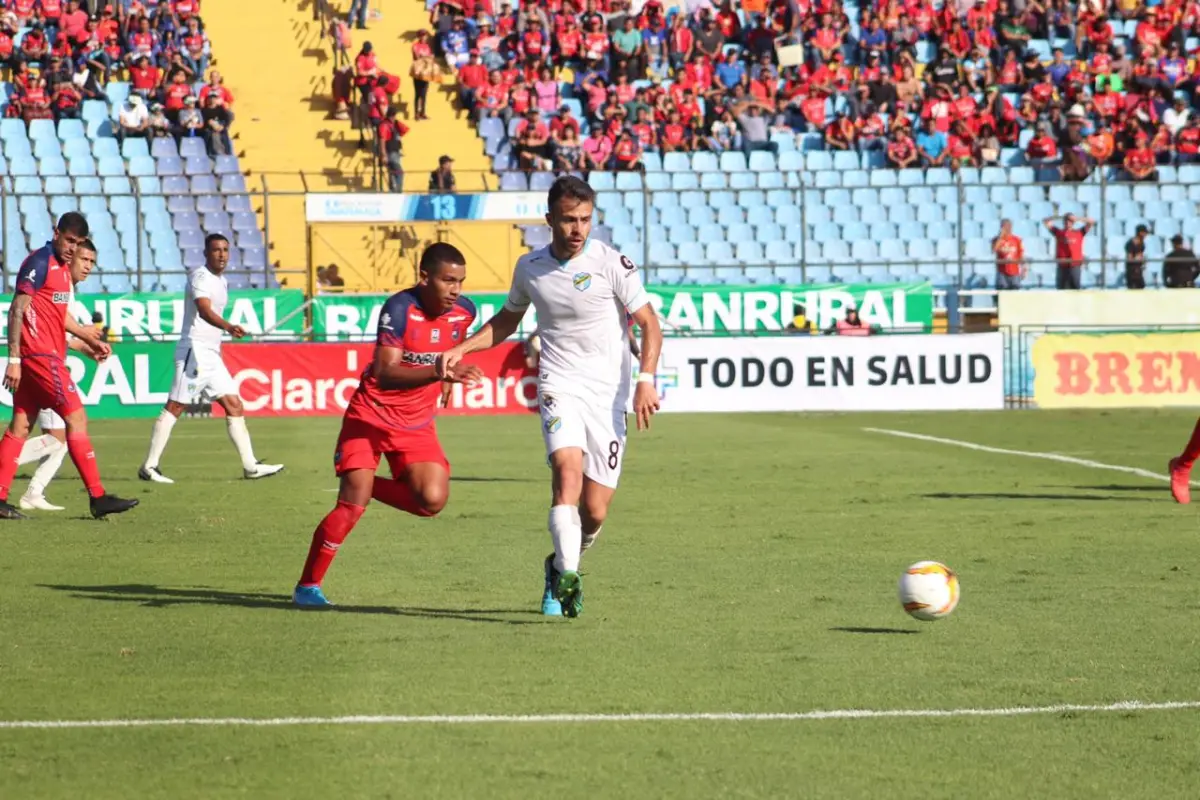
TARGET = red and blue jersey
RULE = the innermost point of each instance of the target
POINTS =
(404, 324)
(48, 283)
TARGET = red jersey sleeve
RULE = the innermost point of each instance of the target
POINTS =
(32, 275)
(393, 321)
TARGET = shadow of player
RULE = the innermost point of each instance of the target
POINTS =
(896, 631)
(1037, 496)
(150, 596)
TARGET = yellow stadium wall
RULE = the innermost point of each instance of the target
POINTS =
(383, 258)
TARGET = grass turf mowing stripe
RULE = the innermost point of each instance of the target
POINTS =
(486, 719)
(983, 448)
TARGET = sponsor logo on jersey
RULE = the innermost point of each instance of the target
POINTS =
(553, 424)
(435, 336)
(582, 280)
(454, 319)
(61, 298)
(628, 264)
(419, 359)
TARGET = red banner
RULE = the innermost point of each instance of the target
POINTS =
(303, 380)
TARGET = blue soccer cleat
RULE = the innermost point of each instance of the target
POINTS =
(310, 597)
(550, 605)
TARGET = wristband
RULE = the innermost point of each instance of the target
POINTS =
(645, 377)
(14, 360)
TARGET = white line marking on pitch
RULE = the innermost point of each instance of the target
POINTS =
(983, 448)
(543, 719)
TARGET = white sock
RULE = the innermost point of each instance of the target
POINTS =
(588, 540)
(567, 533)
(38, 447)
(158, 438)
(236, 426)
(46, 471)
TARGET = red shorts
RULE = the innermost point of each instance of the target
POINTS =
(46, 383)
(360, 444)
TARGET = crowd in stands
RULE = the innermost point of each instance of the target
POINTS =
(1069, 85)
(61, 56)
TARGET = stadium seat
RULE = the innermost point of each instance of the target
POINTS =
(742, 180)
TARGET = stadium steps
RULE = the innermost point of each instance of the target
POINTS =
(279, 70)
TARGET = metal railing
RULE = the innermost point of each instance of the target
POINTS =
(956, 260)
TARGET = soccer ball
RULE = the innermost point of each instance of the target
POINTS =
(928, 590)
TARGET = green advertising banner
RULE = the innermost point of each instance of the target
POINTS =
(143, 316)
(132, 382)
(900, 307)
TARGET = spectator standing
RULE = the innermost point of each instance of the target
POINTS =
(1010, 257)
(441, 180)
(389, 134)
(425, 71)
(1135, 259)
(1180, 267)
(357, 16)
(751, 116)
(1068, 249)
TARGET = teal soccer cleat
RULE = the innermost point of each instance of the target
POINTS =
(310, 597)
(568, 590)
(550, 605)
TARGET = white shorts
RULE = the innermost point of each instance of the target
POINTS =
(49, 420)
(201, 377)
(598, 431)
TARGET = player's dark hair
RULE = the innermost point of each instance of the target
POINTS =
(440, 253)
(213, 238)
(73, 223)
(86, 244)
(570, 187)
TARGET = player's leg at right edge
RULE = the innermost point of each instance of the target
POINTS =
(1180, 468)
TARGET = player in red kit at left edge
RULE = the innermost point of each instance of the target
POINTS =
(392, 413)
(37, 376)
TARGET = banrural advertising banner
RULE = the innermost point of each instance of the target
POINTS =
(132, 382)
(301, 380)
(1116, 370)
(721, 310)
(833, 373)
(1028, 311)
(158, 316)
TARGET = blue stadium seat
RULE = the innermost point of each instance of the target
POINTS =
(45, 148)
(733, 161)
(940, 231)
(676, 162)
(703, 161)
(679, 234)
(788, 215)
(666, 199)
(652, 162)
(254, 238)
(854, 231)
(742, 180)
(721, 199)
(779, 252)
(883, 230)
(865, 198)
(843, 215)
(817, 214)
(749, 198)
(111, 167)
(827, 179)
(713, 180)
(826, 232)
(708, 234)
(52, 166)
(692, 254)
(762, 161)
(769, 232)
(760, 215)
(82, 166)
(818, 160)
(719, 253)
(198, 165)
(749, 253)
(791, 161)
(771, 180)
(681, 181)
(662, 253)
(629, 181)
(901, 213)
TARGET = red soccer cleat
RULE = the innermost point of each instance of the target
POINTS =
(1181, 487)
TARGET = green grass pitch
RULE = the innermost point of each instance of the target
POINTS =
(749, 565)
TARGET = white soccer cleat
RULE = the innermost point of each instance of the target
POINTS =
(153, 475)
(37, 502)
(261, 470)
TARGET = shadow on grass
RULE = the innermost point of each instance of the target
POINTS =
(1035, 496)
(150, 596)
(478, 479)
(886, 631)
(1121, 487)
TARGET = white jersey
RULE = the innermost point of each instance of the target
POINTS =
(581, 310)
(198, 334)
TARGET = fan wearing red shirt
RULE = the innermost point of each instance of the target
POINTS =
(1139, 160)
(1187, 142)
(37, 375)
(1068, 249)
(391, 415)
(1042, 147)
(1010, 257)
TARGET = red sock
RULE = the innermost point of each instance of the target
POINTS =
(1190, 453)
(84, 459)
(397, 494)
(10, 452)
(327, 538)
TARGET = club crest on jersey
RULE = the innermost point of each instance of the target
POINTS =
(548, 402)
(454, 334)
(553, 424)
(582, 281)
(435, 336)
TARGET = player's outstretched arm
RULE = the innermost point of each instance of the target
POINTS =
(501, 326)
(392, 373)
(205, 310)
(645, 396)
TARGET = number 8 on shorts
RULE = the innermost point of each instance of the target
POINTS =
(599, 432)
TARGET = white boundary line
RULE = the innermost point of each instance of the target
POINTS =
(983, 448)
(550, 719)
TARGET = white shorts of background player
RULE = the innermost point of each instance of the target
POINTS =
(201, 377)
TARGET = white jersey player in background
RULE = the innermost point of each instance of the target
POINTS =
(200, 374)
(582, 291)
(51, 447)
